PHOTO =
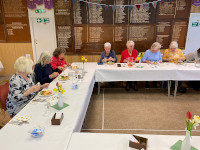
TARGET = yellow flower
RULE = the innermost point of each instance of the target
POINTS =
(86, 60)
(55, 89)
(138, 58)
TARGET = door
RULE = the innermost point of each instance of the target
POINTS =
(43, 36)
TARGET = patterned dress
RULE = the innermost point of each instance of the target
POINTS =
(16, 100)
(173, 55)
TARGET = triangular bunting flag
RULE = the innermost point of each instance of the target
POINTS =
(113, 8)
(97, 6)
(89, 5)
(154, 4)
(106, 7)
(65, 1)
(163, 2)
(170, 1)
(73, 1)
(130, 7)
(81, 3)
(122, 8)
(146, 6)
(138, 7)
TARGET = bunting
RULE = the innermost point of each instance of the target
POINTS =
(130, 7)
(106, 7)
(138, 7)
(31, 4)
(113, 8)
(154, 4)
(163, 2)
(97, 6)
(122, 8)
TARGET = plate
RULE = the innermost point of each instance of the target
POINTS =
(21, 118)
(45, 93)
(63, 78)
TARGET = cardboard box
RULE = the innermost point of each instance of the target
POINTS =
(142, 143)
(57, 121)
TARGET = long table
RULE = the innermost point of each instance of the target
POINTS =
(98, 141)
(148, 72)
(17, 137)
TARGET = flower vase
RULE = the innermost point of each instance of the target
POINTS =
(83, 71)
(60, 100)
(186, 145)
(140, 63)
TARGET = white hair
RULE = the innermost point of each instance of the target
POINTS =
(107, 44)
(155, 46)
(24, 64)
(130, 43)
(173, 44)
(44, 56)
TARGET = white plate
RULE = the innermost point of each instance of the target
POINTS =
(21, 118)
(52, 93)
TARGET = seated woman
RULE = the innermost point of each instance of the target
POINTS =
(43, 70)
(129, 52)
(152, 55)
(58, 62)
(191, 58)
(21, 86)
(108, 54)
(173, 54)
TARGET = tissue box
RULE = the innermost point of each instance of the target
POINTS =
(57, 121)
(142, 143)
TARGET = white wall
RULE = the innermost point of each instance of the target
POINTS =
(43, 35)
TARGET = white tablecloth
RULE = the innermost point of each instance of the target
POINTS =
(1, 66)
(98, 141)
(162, 72)
(16, 137)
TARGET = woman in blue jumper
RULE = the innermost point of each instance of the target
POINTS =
(43, 70)
(152, 55)
(108, 54)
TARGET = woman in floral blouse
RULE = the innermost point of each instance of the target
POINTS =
(173, 54)
(21, 86)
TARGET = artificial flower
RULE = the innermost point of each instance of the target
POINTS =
(189, 115)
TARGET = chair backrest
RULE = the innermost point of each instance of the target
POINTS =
(4, 89)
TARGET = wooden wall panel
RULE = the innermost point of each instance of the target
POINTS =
(9, 52)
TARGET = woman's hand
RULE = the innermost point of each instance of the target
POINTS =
(147, 61)
(181, 59)
(46, 85)
(105, 60)
(111, 59)
(125, 60)
(34, 88)
(55, 74)
(61, 68)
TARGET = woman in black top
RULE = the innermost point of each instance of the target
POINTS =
(43, 70)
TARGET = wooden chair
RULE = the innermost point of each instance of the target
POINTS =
(4, 89)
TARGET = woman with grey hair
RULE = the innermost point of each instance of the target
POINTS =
(21, 86)
(43, 70)
(153, 54)
(108, 54)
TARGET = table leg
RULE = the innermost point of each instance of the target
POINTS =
(99, 86)
(169, 86)
(175, 90)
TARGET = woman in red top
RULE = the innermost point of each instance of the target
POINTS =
(58, 62)
(129, 52)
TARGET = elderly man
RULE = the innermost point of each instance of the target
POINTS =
(108, 54)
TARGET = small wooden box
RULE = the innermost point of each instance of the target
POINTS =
(142, 143)
(57, 121)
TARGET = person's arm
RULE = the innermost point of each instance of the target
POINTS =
(122, 58)
(54, 63)
(182, 57)
(39, 77)
(18, 92)
(102, 57)
(160, 57)
(114, 56)
(144, 58)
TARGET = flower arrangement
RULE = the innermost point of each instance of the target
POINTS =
(192, 122)
(59, 88)
(83, 59)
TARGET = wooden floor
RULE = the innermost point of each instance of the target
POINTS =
(148, 111)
